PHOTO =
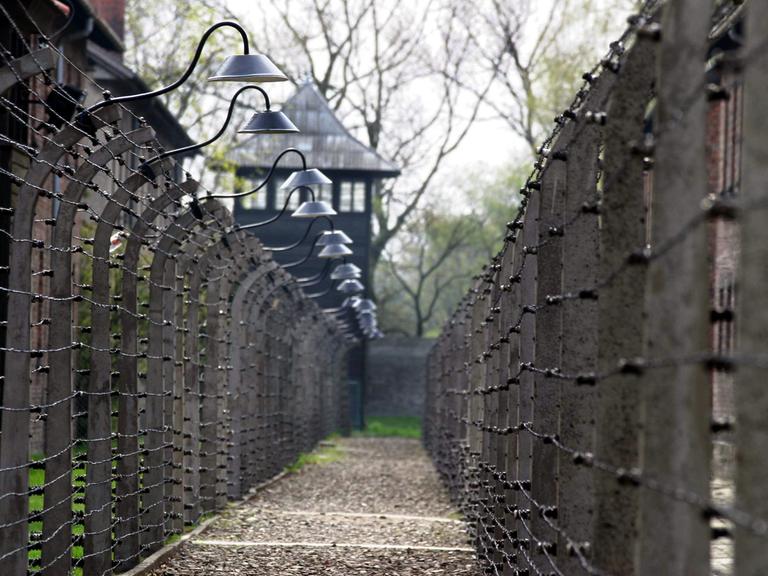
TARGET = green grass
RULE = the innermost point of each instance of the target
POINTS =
(37, 478)
(391, 426)
(324, 454)
(36, 503)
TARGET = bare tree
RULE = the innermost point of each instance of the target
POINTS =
(419, 279)
(428, 267)
(537, 51)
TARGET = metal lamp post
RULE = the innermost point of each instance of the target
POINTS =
(267, 122)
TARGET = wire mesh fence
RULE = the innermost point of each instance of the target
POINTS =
(156, 362)
(589, 405)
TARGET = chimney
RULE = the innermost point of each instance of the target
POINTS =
(113, 13)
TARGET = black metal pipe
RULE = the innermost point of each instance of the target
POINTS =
(307, 257)
(268, 176)
(279, 214)
(145, 166)
(187, 72)
(301, 241)
(316, 279)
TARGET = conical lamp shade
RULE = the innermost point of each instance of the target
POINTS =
(311, 177)
(248, 68)
(345, 272)
(367, 322)
(334, 251)
(313, 209)
(347, 268)
(365, 305)
(350, 287)
(344, 275)
(269, 122)
(350, 302)
(334, 237)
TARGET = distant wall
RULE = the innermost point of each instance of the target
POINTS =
(396, 376)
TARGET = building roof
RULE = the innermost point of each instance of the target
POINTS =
(327, 144)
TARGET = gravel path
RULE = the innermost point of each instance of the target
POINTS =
(376, 508)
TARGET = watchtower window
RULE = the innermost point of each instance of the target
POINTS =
(323, 192)
(352, 197)
(255, 201)
(282, 193)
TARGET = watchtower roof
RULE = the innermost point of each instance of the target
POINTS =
(325, 141)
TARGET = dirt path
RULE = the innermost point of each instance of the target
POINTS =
(375, 506)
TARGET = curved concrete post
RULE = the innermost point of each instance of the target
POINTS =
(191, 430)
(264, 387)
(250, 253)
(207, 392)
(14, 455)
(98, 542)
(677, 399)
(101, 361)
(237, 461)
(195, 267)
(180, 405)
(298, 333)
(27, 66)
(173, 368)
(127, 508)
(152, 513)
(212, 390)
(548, 326)
(185, 406)
(58, 427)
(250, 386)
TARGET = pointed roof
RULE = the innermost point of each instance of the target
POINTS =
(325, 141)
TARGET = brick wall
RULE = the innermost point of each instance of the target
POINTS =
(396, 376)
(113, 13)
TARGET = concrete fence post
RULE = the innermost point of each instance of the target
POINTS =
(675, 536)
(526, 390)
(620, 310)
(751, 552)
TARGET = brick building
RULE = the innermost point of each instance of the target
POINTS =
(85, 58)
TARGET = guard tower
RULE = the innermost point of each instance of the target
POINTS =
(357, 172)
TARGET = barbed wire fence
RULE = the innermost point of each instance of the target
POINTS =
(156, 362)
(570, 398)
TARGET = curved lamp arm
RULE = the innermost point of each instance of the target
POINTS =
(317, 278)
(334, 311)
(268, 176)
(308, 256)
(319, 294)
(187, 72)
(279, 214)
(300, 242)
(144, 167)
